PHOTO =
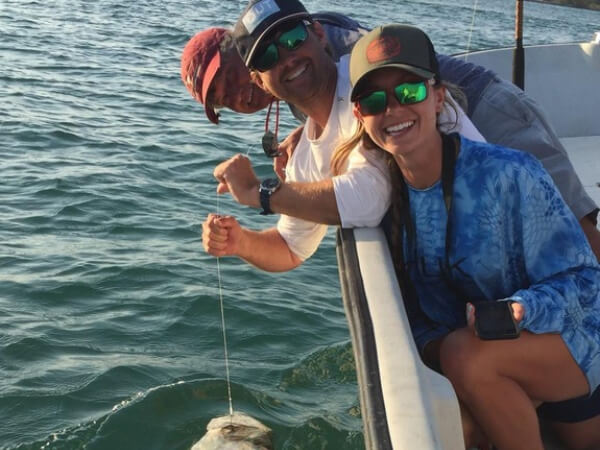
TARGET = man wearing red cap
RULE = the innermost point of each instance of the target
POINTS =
(210, 54)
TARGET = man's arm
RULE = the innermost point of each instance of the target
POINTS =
(359, 197)
(267, 250)
(314, 201)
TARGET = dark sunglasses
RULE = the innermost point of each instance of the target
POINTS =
(375, 102)
(292, 38)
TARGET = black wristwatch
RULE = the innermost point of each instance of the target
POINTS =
(267, 188)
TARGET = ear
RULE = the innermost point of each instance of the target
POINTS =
(440, 97)
(255, 77)
(320, 33)
(357, 113)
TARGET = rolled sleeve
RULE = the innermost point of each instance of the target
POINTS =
(302, 237)
(363, 192)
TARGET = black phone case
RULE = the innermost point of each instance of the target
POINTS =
(494, 320)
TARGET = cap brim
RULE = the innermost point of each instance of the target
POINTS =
(209, 75)
(426, 74)
(300, 15)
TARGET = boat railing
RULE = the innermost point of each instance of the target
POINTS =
(404, 404)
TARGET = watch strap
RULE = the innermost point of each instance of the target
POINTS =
(266, 189)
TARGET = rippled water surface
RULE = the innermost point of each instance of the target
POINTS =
(110, 332)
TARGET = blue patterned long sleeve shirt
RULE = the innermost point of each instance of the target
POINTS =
(513, 238)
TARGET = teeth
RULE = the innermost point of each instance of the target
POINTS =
(296, 73)
(251, 94)
(399, 127)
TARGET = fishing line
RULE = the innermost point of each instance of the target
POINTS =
(225, 348)
(471, 29)
(223, 326)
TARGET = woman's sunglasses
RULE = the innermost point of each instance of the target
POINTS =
(292, 38)
(406, 93)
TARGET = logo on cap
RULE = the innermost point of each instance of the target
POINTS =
(258, 13)
(384, 48)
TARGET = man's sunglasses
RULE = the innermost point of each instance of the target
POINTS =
(406, 93)
(292, 38)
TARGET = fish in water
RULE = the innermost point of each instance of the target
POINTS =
(235, 432)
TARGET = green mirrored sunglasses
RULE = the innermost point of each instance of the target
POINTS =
(375, 102)
(292, 38)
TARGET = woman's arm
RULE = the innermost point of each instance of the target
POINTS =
(564, 272)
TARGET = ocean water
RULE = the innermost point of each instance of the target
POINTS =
(110, 332)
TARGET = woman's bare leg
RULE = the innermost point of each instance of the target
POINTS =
(497, 381)
(472, 432)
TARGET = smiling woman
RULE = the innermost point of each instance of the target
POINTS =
(464, 228)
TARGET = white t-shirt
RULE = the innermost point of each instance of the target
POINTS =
(362, 193)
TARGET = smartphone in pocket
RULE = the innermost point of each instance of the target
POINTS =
(495, 320)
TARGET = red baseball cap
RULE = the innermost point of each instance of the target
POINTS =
(200, 62)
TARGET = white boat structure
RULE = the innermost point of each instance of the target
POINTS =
(404, 404)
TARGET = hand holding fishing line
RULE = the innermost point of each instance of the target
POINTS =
(221, 235)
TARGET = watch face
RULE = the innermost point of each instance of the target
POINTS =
(270, 183)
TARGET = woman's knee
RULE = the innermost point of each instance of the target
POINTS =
(462, 358)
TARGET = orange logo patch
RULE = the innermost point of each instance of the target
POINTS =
(385, 47)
